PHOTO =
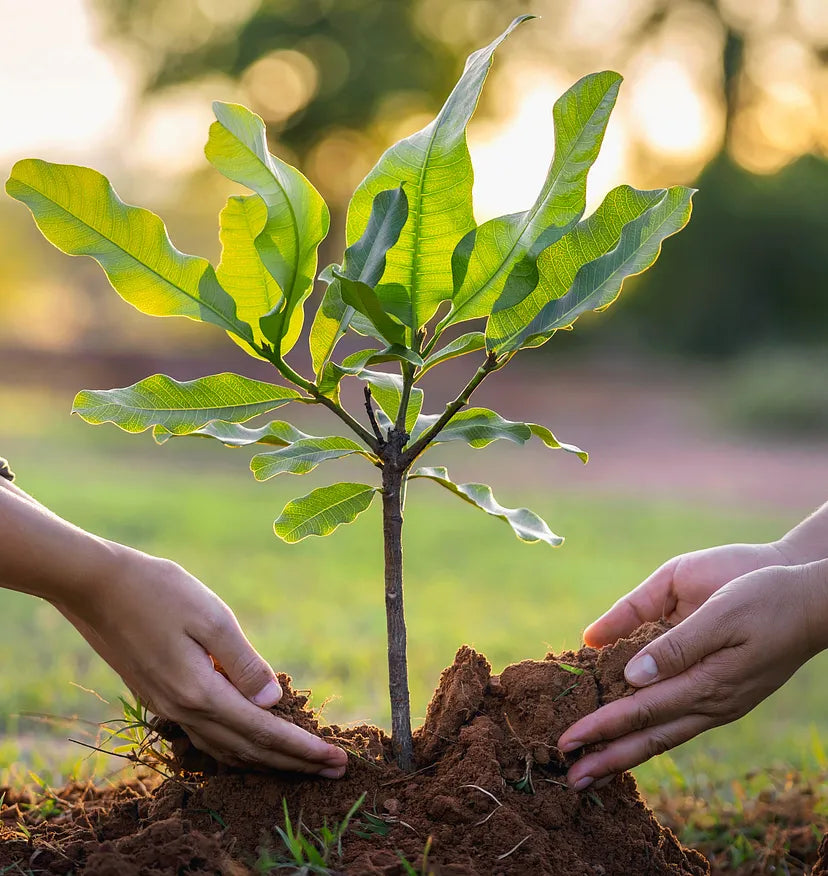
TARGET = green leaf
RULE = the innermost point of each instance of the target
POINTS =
(468, 343)
(297, 217)
(363, 298)
(586, 270)
(387, 392)
(479, 427)
(304, 455)
(181, 407)
(80, 213)
(435, 166)
(364, 261)
(497, 260)
(321, 511)
(277, 433)
(242, 273)
(526, 524)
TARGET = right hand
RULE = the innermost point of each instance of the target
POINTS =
(679, 587)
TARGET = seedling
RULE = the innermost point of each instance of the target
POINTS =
(417, 267)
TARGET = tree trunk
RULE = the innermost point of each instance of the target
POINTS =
(392, 521)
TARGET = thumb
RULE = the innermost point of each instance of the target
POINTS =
(247, 670)
(676, 650)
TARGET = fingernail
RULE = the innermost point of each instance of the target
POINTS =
(583, 784)
(571, 746)
(602, 783)
(641, 670)
(269, 695)
(333, 772)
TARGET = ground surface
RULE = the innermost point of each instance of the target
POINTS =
(661, 481)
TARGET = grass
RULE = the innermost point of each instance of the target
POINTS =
(315, 610)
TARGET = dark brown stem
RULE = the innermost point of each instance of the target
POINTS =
(372, 418)
(393, 475)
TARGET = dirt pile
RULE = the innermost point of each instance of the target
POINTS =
(488, 798)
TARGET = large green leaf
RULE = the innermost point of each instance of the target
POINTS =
(321, 511)
(304, 455)
(364, 261)
(297, 217)
(242, 273)
(526, 525)
(479, 427)
(387, 392)
(80, 213)
(435, 166)
(278, 433)
(497, 259)
(181, 407)
(586, 270)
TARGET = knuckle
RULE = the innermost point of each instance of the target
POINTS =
(645, 714)
(261, 737)
(249, 672)
(195, 699)
(672, 653)
(657, 743)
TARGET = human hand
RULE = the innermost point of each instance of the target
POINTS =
(158, 627)
(739, 646)
(676, 589)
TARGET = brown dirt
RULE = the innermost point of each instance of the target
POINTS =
(489, 794)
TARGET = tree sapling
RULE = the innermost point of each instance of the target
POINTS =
(416, 266)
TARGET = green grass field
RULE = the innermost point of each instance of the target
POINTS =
(315, 610)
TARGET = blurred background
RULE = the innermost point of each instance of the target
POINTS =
(702, 394)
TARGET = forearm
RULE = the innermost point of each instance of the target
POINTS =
(43, 555)
(808, 541)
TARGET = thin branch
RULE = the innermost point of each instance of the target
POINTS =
(491, 364)
(408, 383)
(372, 419)
(286, 371)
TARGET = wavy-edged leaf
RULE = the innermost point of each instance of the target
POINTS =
(497, 260)
(322, 511)
(278, 433)
(364, 261)
(304, 455)
(80, 213)
(526, 525)
(618, 241)
(297, 216)
(435, 166)
(479, 427)
(182, 407)
(468, 343)
(241, 271)
(387, 392)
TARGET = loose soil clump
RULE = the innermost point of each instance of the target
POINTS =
(488, 797)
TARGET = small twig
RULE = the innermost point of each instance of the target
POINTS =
(408, 776)
(488, 794)
(372, 419)
(515, 848)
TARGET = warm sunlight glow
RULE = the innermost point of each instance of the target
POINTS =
(59, 92)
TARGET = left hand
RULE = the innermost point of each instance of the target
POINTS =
(737, 648)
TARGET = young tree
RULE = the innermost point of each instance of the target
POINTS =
(416, 265)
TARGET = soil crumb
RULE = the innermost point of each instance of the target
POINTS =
(488, 797)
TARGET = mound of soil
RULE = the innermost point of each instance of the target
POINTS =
(488, 797)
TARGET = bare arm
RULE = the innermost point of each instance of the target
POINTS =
(160, 629)
(808, 541)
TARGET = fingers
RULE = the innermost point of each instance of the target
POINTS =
(229, 747)
(245, 667)
(652, 599)
(697, 691)
(634, 749)
(706, 631)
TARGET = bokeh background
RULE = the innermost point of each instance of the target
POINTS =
(702, 394)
